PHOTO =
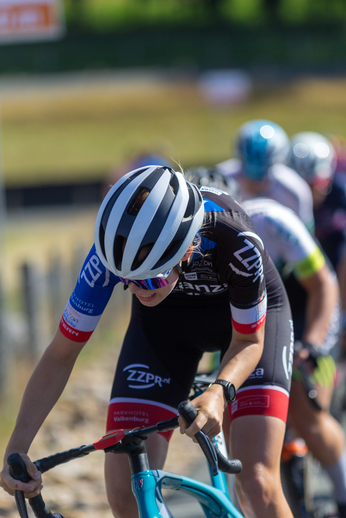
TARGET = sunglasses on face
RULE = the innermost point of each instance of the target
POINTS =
(150, 284)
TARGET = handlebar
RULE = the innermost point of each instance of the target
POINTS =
(212, 453)
(19, 472)
(115, 442)
(314, 354)
(310, 390)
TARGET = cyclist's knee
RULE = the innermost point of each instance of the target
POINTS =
(122, 504)
(118, 486)
(258, 489)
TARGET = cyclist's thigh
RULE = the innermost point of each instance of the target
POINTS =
(257, 441)
(301, 405)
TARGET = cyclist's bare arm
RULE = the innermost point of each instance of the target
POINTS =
(237, 364)
(42, 392)
(323, 292)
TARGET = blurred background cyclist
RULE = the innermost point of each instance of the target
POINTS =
(262, 148)
(314, 158)
(313, 292)
(140, 158)
(314, 298)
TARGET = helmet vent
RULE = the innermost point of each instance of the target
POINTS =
(170, 252)
(118, 250)
(106, 213)
(174, 184)
(136, 203)
(190, 208)
(143, 252)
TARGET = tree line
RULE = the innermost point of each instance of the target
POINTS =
(102, 14)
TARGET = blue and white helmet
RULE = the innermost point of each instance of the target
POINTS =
(313, 157)
(259, 144)
(147, 221)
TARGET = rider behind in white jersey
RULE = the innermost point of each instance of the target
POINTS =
(262, 148)
(313, 294)
(314, 158)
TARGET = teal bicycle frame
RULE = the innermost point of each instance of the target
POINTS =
(214, 499)
(147, 484)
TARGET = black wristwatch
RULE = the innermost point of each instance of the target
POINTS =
(228, 389)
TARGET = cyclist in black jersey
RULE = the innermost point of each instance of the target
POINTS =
(201, 281)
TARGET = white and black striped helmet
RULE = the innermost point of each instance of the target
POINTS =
(152, 207)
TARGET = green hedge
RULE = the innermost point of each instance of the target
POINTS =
(222, 46)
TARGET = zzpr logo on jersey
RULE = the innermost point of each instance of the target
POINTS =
(91, 272)
(250, 257)
(143, 379)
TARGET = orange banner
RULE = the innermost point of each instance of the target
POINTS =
(30, 19)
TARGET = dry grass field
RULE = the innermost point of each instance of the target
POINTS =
(61, 129)
(77, 127)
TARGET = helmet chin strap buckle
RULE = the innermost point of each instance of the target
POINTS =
(179, 268)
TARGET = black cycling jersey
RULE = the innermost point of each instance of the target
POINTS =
(230, 283)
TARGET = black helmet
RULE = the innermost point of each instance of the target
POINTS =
(213, 178)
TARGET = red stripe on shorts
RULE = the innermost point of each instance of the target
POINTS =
(264, 400)
(129, 415)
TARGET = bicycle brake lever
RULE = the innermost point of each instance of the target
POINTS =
(311, 392)
(213, 454)
(18, 471)
(17, 468)
(189, 414)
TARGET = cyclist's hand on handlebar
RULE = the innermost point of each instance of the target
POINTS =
(306, 353)
(210, 407)
(300, 357)
(10, 485)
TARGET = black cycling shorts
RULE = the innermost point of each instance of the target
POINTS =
(161, 351)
